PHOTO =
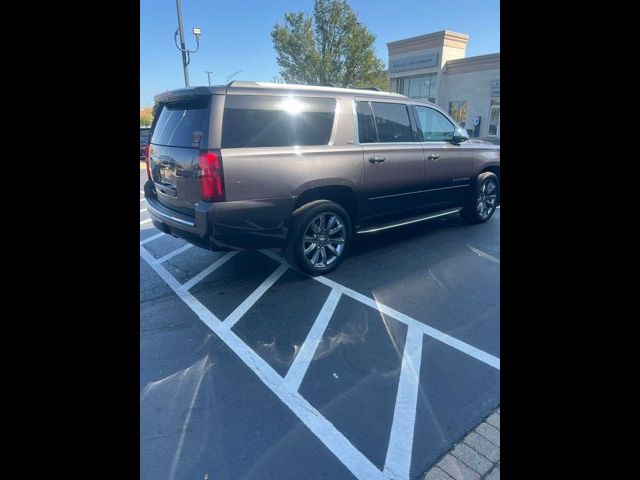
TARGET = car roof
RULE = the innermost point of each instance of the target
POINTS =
(247, 87)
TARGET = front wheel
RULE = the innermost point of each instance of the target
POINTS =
(483, 200)
(319, 237)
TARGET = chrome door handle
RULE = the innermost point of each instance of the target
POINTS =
(376, 159)
(433, 157)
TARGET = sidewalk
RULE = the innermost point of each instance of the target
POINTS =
(476, 457)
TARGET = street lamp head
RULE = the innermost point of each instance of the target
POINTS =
(196, 31)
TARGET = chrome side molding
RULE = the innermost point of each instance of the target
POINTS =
(407, 221)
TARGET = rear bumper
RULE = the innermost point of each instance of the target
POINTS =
(245, 224)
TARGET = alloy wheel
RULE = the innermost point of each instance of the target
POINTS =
(323, 239)
(487, 199)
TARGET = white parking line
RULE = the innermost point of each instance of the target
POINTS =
(145, 221)
(426, 329)
(152, 238)
(484, 255)
(234, 316)
(215, 265)
(142, 199)
(209, 319)
(300, 364)
(398, 461)
(358, 464)
(143, 210)
(399, 451)
(173, 253)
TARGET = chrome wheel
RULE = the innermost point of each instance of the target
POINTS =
(323, 239)
(487, 199)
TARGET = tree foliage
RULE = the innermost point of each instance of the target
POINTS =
(146, 116)
(329, 48)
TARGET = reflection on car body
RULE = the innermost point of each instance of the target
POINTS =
(260, 165)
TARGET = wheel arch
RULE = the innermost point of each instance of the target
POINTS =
(495, 169)
(343, 195)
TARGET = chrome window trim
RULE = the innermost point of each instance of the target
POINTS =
(408, 104)
(419, 191)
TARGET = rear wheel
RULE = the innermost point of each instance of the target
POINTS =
(483, 200)
(319, 237)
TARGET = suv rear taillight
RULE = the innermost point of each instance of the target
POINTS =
(211, 177)
(146, 160)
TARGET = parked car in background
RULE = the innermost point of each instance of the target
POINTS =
(143, 147)
(144, 139)
(261, 165)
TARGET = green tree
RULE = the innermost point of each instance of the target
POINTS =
(330, 48)
(146, 116)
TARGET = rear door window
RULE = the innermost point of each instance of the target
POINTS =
(392, 122)
(182, 124)
(277, 121)
(366, 124)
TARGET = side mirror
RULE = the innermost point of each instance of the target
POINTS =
(459, 135)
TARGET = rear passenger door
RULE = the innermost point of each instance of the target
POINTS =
(447, 166)
(393, 159)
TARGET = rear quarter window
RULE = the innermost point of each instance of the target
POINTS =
(182, 124)
(277, 121)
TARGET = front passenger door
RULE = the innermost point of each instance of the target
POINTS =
(447, 166)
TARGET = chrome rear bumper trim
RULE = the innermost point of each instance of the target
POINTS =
(171, 218)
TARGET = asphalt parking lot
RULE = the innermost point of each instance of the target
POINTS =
(251, 370)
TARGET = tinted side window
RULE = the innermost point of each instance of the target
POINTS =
(435, 126)
(182, 124)
(392, 122)
(366, 126)
(276, 121)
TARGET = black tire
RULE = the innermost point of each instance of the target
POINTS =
(301, 222)
(473, 211)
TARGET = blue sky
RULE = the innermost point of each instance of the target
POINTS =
(236, 34)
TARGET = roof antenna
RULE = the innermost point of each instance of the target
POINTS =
(233, 75)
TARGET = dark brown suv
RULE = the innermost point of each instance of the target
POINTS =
(260, 165)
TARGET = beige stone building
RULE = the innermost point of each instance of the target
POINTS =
(434, 68)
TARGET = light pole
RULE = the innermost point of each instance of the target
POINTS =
(208, 76)
(186, 58)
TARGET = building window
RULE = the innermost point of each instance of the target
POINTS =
(494, 118)
(458, 110)
(423, 86)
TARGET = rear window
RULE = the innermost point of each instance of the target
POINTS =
(276, 121)
(182, 124)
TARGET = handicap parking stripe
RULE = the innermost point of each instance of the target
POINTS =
(398, 458)
(334, 440)
(406, 319)
(296, 372)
